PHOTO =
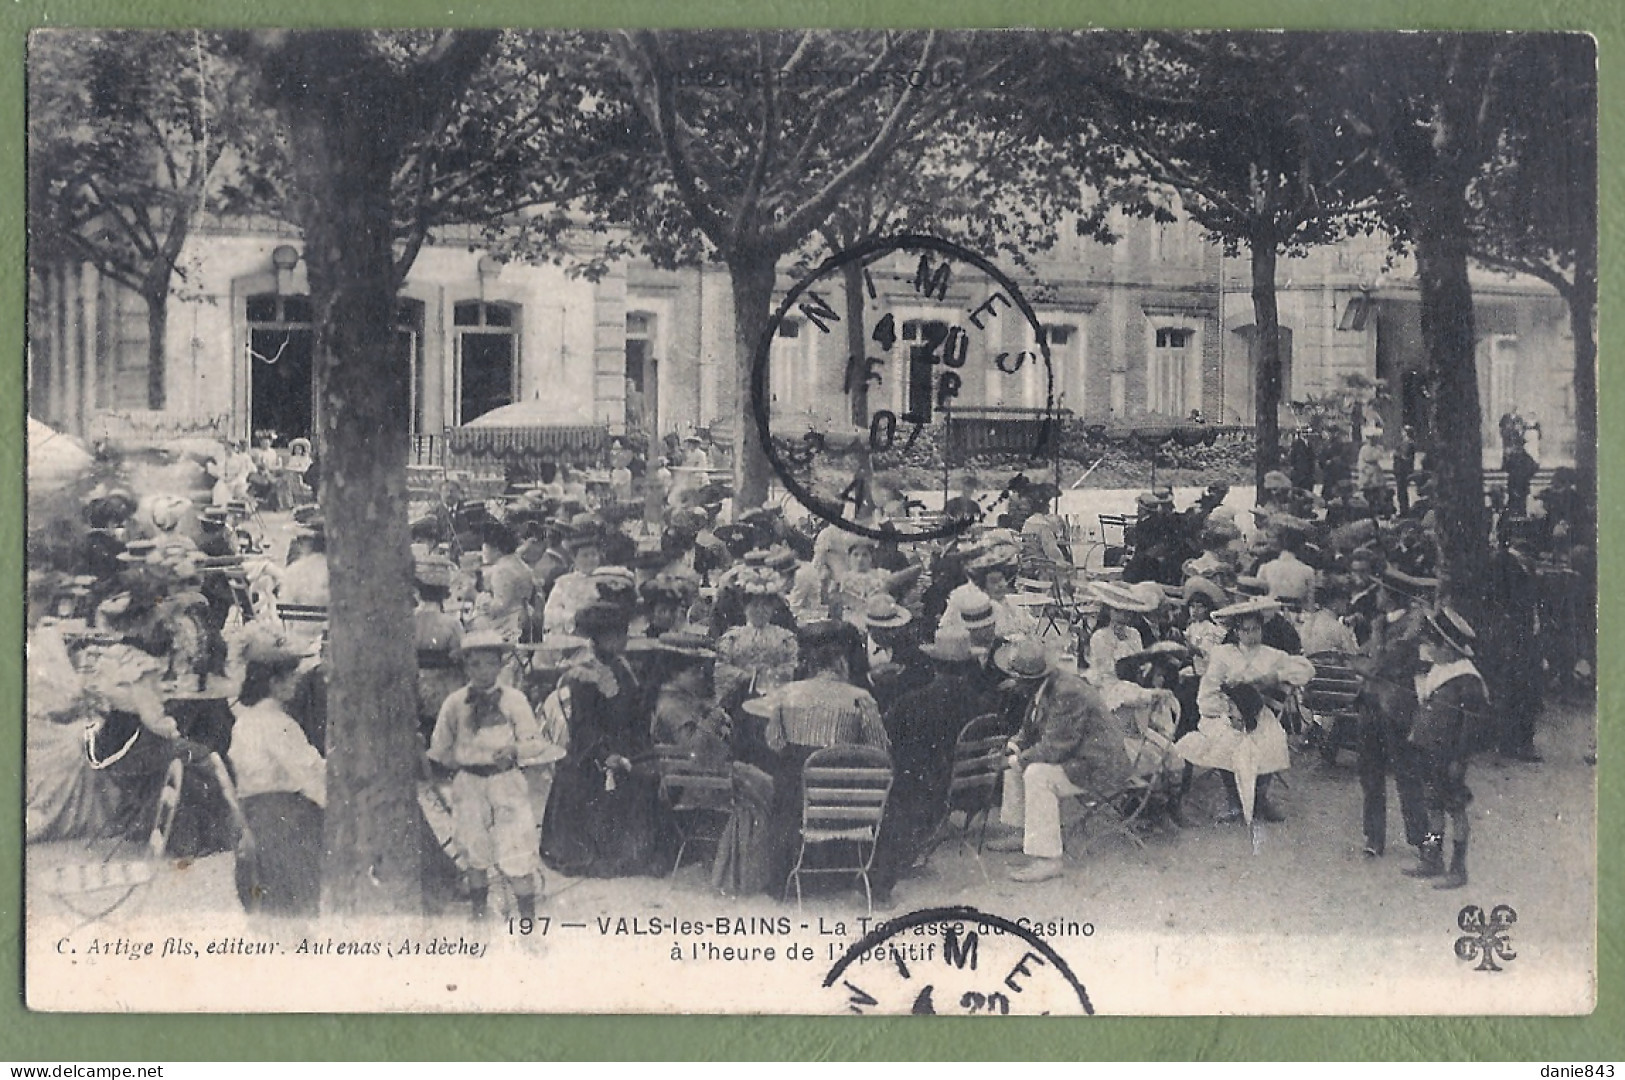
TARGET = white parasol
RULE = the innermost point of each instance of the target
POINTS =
(54, 458)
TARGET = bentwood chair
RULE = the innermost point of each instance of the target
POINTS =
(699, 793)
(978, 765)
(843, 798)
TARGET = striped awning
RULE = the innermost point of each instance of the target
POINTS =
(517, 442)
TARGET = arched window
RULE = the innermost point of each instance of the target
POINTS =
(487, 357)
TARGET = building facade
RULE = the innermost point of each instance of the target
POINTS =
(1155, 328)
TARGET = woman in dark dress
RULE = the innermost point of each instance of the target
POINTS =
(603, 816)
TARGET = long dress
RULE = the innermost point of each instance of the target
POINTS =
(1146, 720)
(282, 788)
(1221, 740)
(603, 823)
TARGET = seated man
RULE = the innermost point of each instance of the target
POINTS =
(1063, 744)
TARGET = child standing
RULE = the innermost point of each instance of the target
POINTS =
(1451, 722)
(488, 734)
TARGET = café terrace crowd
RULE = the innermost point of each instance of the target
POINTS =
(593, 685)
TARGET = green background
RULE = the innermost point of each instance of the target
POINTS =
(26, 1036)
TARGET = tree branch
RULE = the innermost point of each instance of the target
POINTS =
(801, 220)
(661, 113)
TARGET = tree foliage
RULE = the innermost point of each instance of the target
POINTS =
(1227, 123)
(131, 136)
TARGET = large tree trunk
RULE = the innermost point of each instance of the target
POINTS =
(752, 275)
(857, 343)
(1448, 336)
(157, 349)
(347, 153)
(1267, 362)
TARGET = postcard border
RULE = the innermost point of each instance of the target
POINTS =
(25, 1035)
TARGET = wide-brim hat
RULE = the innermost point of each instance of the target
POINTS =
(433, 570)
(688, 644)
(1417, 588)
(667, 589)
(780, 558)
(1251, 586)
(951, 645)
(603, 618)
(1150, 592)
(1207, 590)
(1114, 594)
(138, 551)
(1023, 658)
(759, 581)
(978, 615)
(1456, 631)
(614, 582)
(583, 530)
(273, 651)
(1161, 495)
(884, 613)
(483, 641)
(1258, 605)
(1276, 480)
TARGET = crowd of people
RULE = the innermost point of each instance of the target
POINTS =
(570, 650)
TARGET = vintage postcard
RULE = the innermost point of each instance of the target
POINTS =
(863, 522)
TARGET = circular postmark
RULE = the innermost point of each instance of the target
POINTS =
(955, 961)
(903, 332)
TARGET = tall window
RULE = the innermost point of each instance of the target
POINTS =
(790, 373)
(1499, 357)
(281, 359)
(641, 380)
(487, 357)
(1169, 375)
(122, 353)
(923, 339)
(409, 349)
(1066, 362)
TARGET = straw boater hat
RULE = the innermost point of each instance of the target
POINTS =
(689, 644)
(1455, 631)
(951, 645)
(483, 641)
(975, 609)
(616, 584)
(1023, 658)
(1261, 605)
(1113, 594)
(1417, 588)
(884, 613)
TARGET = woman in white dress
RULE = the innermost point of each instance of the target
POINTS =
(1143, 714)
(1240, 731)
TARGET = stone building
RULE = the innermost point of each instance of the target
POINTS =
(1155, 328)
